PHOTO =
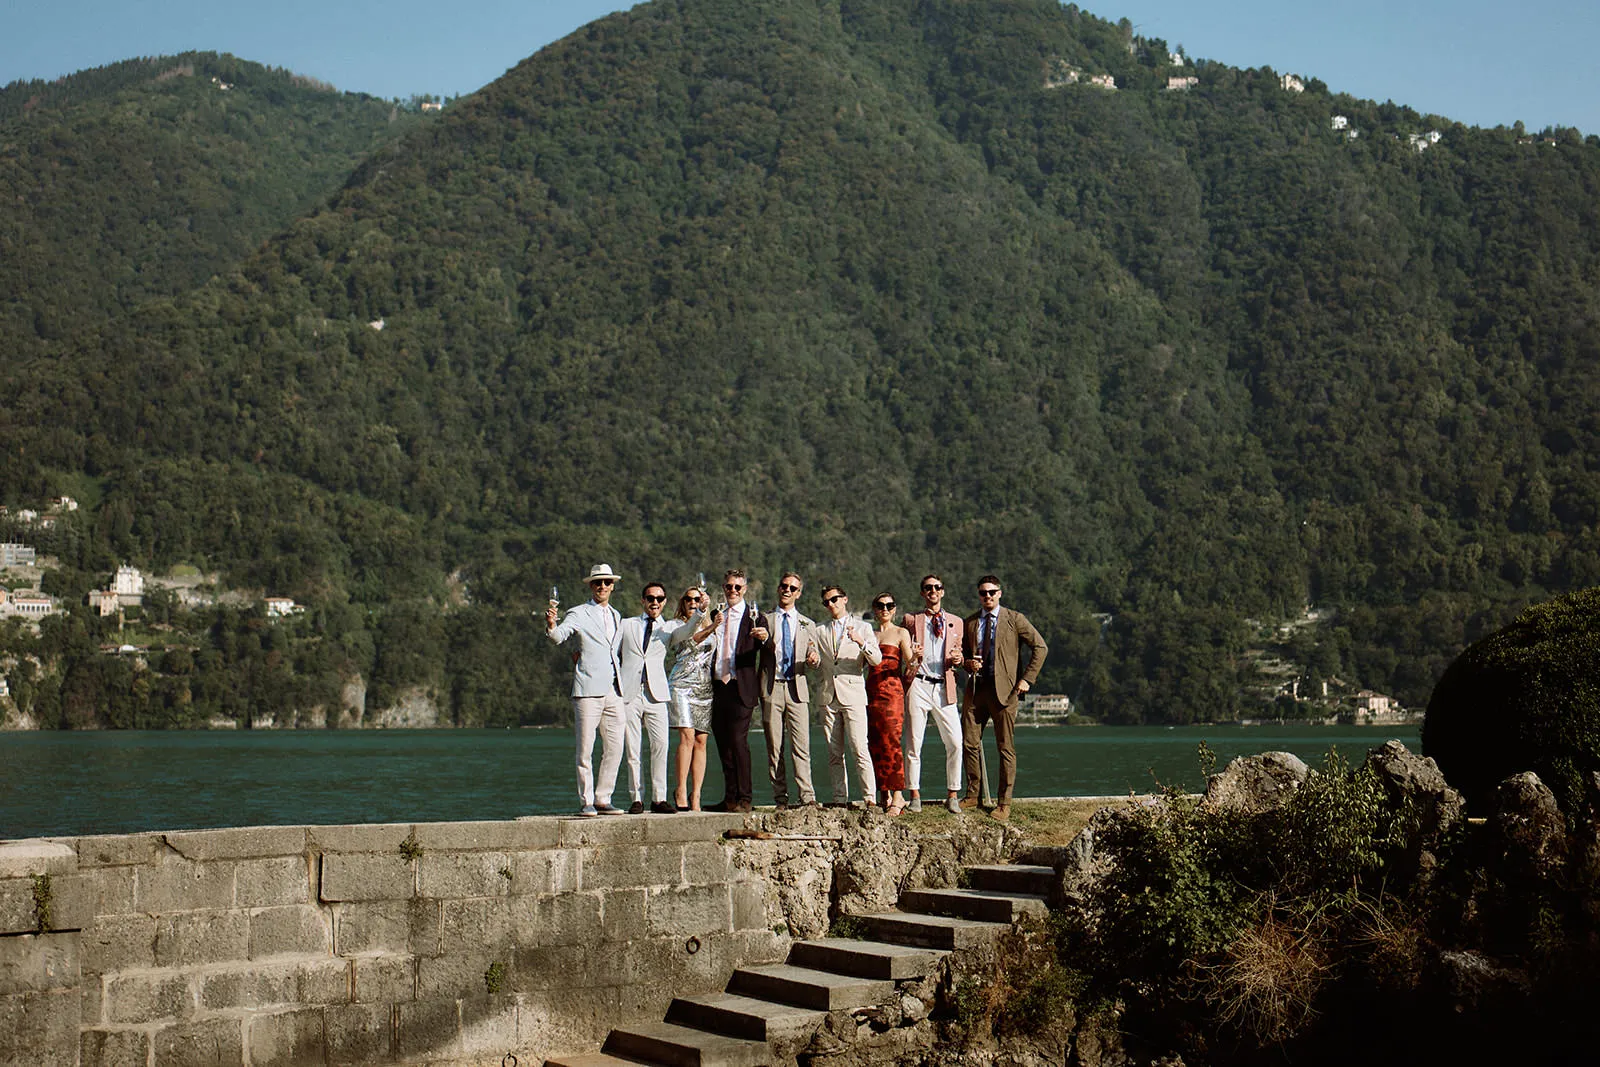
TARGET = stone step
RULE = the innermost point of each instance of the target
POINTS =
(1013, 878)
(865, 959)
(982, 905)
(746, 1017)
(671, 1045)
(932, 931)
(806, 987)
(591, 1059)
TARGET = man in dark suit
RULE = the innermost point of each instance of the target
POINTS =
(997, 677)
(735, 689)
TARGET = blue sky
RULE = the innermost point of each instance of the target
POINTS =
(1477, 62)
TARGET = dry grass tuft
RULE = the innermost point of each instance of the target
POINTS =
(1267, 981)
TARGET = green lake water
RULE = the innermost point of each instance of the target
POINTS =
(54, 783)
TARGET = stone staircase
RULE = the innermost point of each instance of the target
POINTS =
(770, 1010)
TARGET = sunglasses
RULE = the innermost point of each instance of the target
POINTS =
(931, 588)
(788, 588)
(988, 592)
(883, 606)
(730, 588)
(655, 599)
(604, 581)
(831, 599)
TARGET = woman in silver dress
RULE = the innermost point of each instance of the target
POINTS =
(689, 682)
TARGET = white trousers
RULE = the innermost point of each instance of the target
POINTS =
(602, 715)
(922, 701)
(843, 720)
(644, 717)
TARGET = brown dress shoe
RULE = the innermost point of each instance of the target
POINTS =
(969, 801)
(1002, 812)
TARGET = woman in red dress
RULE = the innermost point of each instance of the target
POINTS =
(886, 706)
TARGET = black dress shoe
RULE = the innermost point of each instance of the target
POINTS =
(664, 807)
(636, 808)
(721, 805)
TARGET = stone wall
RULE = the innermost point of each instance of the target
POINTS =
(436, 942)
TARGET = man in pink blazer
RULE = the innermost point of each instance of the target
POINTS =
(936, 653)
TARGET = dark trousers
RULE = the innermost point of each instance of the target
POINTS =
(730, 725)
(983, 704)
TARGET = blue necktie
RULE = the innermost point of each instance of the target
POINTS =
(788, 649)
(644, 672)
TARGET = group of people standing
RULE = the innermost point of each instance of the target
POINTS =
(875, 687)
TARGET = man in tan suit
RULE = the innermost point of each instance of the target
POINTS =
(788, 650)
(996, 679)
(845, 647)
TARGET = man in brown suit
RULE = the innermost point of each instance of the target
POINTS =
(996, 679)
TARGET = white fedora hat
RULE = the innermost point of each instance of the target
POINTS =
(602, 570)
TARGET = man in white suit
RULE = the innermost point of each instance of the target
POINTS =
(846, 646)
(788, 651)
(644, 692)
(931, 693)
(596, 687)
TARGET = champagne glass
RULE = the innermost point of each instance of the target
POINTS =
(555, 597)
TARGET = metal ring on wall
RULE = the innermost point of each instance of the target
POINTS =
(692, 945)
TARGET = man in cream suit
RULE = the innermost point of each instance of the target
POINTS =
(931, 693)
(996, 680)
(788, 652)
(845, 648)
(596, 687)
(644, 692)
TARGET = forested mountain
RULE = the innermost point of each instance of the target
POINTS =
(868, 288)
(144, 178)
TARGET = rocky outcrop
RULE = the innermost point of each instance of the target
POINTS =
(1256, 783)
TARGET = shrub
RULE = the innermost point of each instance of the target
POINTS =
(1525, 698)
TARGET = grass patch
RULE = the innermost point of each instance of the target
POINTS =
(1046, 822)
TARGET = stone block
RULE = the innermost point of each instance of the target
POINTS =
(72, 902)
(568, 919)
(387, 926)
(461, 973)
(553, 870)
(427, 1030)
(488, 1025)
(148, 997)
(358, 1033)
(482, 922)
(301, 930)
(541, 969)
(117, 850)
(35, 963)
(508, 836)
(39, 1029)
(117, 942)
(18, 911)
(111, 889)
(464, 874)
(705, 862)
(593, 833)
(261, 883)
(275, 985)
(689, 826)
(629, 866)
(92, 1000)
(245, 842)
(364, 928)
(701, 909)
(749, 899)
(286, 1039)
(364, 837)
(383, 979)
(26, 858)
(114, 1048)
(207, 1043)
(192, 937)
(363, 876)
(622, 914)
(178, 885)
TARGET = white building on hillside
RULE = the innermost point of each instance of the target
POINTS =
(129, 586)
(1292, 83)
(15, 555)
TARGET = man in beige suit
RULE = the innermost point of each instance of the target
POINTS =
(931, 692)
(996, 679)
(788, 650)
(845, 647)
